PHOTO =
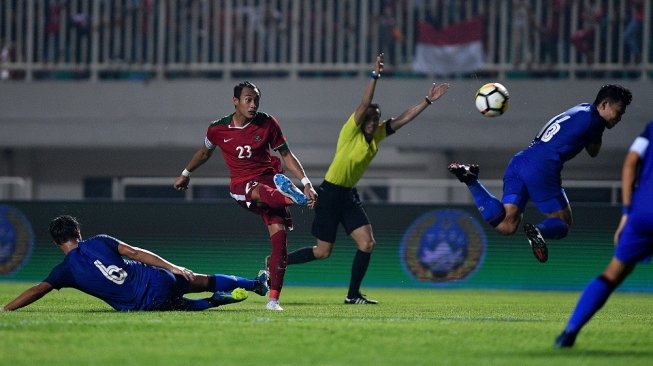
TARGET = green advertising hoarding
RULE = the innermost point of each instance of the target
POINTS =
(416, 245)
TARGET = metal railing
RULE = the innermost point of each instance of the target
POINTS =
(108, 39)
(15, 188)
(374, 190)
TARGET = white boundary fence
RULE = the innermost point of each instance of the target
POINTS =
(104, 39)
(377, 190)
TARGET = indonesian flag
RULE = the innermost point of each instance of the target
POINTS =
(457, 48)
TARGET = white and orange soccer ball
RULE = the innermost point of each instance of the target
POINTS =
(492, 99)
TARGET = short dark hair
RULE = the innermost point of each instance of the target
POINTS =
(238, 89)
(373, 106)
(613, 93)
(64, 228)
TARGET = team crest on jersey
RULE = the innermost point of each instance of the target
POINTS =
(16, 239)
(442, 246)
(257, 138)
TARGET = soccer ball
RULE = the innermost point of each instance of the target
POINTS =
(492, 99)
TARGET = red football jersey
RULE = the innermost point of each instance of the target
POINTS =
(246, 150)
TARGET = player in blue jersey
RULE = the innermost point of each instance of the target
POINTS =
(145, 281)
(535, 172)
(633, 237)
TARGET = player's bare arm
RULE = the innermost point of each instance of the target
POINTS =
(29, 296)
(628, 180)
(629, 176)
(200, 157)
(368, 96)
(295, 167)
(147, 257)
(436, 91)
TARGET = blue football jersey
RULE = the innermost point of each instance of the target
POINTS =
(643, 193)
(567, 134)
(97, 268)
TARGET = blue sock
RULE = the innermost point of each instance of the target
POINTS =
(592, 299)
(490, 208)
(187, 304)
(225, 283)
(553, 228)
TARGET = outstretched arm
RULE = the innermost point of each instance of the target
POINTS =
(409, 114)
(368, 96)
(200, 157)
(152, 259)
(29, 296)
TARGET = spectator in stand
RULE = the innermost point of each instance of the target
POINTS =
(390, 32)
(521, 49)
(633, 31)
(592, 14)
(549, 30)
(52, 28)
(6, 56)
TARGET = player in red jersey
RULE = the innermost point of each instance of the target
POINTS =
(245, 139)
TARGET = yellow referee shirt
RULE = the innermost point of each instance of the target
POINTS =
(353, 154)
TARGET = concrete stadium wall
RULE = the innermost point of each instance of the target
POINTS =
(59, 132)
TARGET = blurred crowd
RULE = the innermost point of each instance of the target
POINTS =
(529, 35)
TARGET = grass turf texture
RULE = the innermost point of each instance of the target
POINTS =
(409, 327)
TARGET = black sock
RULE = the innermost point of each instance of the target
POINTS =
(358, 270)
(301, 255)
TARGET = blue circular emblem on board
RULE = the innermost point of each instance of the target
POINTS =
(442, 246)
(16, 239)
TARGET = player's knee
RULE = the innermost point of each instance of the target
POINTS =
(507, 228)
(612, 280)
(555, 227)
(321, 253)
(367, 246)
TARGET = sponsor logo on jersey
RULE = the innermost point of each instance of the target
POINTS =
(16, 239)
(442, 246)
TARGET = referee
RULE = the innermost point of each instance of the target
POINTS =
(339, 202)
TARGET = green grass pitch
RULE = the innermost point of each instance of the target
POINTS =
(409, 327)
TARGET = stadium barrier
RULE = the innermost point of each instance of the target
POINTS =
(87, 39)
(371, 190)
(418, 246)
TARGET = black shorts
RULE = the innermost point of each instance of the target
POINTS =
(337, 205)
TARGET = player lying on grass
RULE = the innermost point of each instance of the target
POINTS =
(145, 281)
(535, 173)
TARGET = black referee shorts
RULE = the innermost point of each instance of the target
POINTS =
(337, 205)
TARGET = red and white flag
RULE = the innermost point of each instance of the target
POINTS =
(455, 49)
